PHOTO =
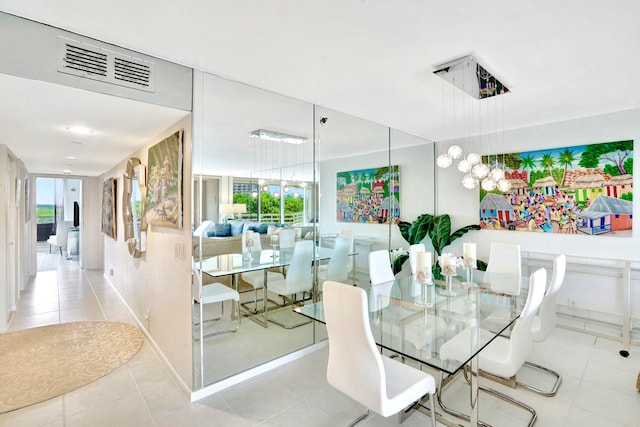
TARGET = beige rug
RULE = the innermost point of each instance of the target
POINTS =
(41, 363)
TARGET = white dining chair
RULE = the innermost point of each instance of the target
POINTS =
(355, 368)
(504, 258)
(413, 255)
(351, 260)
(545, 321)
(287, 238)
(336, 268)
(299, 277)
(256, 278)
(504, 356)
(380, 267)
(213, 293)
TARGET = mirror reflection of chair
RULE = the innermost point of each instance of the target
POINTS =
(503, 357)
(351, 265)
(337, 268)
(355, 367)
(256, 278)
(213, 293)
(380, 267)
(299, 278)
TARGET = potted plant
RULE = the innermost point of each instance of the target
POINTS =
(438, 228)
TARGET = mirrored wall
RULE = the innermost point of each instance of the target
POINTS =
(274, 178)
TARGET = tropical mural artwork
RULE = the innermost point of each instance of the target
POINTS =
(586, 189)
(368, 196)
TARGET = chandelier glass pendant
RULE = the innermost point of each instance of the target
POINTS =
(473, 79)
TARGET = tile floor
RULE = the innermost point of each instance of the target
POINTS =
(598, 387)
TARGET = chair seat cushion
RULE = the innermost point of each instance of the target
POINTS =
(217, 292)
(256, 278)
(494, 359)
(404, 383)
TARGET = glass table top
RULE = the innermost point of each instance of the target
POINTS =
(414, 320)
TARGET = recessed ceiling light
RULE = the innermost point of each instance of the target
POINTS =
(76, 142)
(70, 158)
(80, 130)
(66, 172)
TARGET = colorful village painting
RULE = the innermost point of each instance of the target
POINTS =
(586, 189)
(368, 196)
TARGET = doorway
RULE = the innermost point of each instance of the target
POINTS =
(58, 220)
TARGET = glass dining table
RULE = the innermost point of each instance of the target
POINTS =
(238, 263)
(414, 320)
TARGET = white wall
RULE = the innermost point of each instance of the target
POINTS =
(158, 285)
(463, 205)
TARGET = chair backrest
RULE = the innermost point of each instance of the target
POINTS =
(380, 267)
(355, 367)
(287, 238)
(203, 228)
(299, 276)
(348, 234)
(547, 312)
(413, 254)
(196, 282)
(504, 258)
(337, 269)
(520, 340)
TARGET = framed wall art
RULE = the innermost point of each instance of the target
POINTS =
(586, 189)
(109, 218)
(164, 182)
(368, 195)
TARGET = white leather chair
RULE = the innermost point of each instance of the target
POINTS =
(350, 260)
(299, 278)
(503, 357)
(256, 278)
(504, 258)
(213, 293)
(380, 267)
(336, 268)
(287, 238)
(545, 321)
(413, 251)
(383, 385)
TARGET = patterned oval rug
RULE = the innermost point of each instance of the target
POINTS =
(41, 363)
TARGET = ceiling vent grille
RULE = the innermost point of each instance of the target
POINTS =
(96, 63)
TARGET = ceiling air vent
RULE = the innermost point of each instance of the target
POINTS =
(96, 63)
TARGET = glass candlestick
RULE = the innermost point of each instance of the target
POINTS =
(469, 265)
(448, 269)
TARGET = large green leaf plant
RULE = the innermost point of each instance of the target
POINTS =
(438, 229)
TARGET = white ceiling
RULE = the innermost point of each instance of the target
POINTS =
(370, 58)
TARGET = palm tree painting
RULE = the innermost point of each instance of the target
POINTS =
(585, 189)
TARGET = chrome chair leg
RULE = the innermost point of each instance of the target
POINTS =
(532, 420)
(555, 387)
(513, 381)
(360, 418)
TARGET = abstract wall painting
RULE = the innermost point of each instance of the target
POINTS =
(586, 189)
(164, 183)
(368, 196)
(109, 219)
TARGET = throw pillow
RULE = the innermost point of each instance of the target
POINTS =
(223, 230)
(236, 228)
